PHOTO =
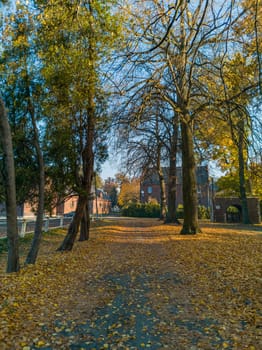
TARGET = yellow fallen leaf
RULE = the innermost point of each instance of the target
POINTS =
(40, 343)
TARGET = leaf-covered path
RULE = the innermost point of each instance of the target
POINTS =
(138, 284)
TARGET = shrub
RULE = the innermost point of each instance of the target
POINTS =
(152, 210)
(203, 212)
(146, 210)
(180, 211)
(232, 209)
(3, 245)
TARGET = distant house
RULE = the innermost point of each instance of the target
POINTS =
(99, 204)
(67, 206)
(25, 209)
(150, 187)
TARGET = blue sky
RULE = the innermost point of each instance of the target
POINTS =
(109, 169)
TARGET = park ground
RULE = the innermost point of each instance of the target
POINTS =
(138, 284)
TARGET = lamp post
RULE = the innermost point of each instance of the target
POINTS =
(142, 196)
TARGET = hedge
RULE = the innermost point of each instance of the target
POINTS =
(145, 210)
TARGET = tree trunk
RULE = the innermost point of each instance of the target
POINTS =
(242, 180)
(33, 252)
(73, 229)
(88, 168)
(87, 153)
(10, 192)
(85, 225)
(190, 225)
(172, 177)
(163, 208)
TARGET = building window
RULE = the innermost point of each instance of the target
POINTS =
(149, 190)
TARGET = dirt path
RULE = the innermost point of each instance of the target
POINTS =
(147, 287)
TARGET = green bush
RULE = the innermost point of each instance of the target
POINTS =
(145, 210)
(203, 212)
(180, 211)
(152, 210)
(3, 245)
(232, 209)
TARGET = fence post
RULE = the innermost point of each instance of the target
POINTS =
(46, 224)
(61, 221)
(23, 228)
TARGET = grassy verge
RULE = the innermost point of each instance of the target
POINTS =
(50, 241)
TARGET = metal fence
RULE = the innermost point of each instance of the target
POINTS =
(27, 225)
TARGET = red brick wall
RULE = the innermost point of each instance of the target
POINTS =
(146, 197)
(28, 210)
(70, 204)
(222, 203)
(102, 206)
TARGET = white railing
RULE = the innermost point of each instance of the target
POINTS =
(27, 225)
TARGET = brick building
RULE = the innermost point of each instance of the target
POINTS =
(100, 204)
(150, 187)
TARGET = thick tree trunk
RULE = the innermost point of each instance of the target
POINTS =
(242, 180)
(172, 177)
(10, 191)
(33, 252)
(190, 225)
(87, 153)
(73, 229)
(88, 166)
(85, 225)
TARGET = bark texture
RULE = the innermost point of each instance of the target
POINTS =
(190, 224)
(242, 180)
(87, 152)
(85, 225)
(163, 207)
(88, 166)
(172, 178)
(10, 192)
(73, 229)
(33, 252)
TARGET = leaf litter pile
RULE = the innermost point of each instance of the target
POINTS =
(138, 284)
